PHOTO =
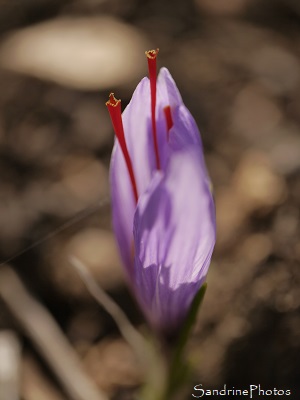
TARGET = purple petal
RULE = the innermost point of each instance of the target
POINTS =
(184, 123)
(123, 205)
(167, 89)
(174, 234)
(136, 121)
(185, 132)
(138, 134)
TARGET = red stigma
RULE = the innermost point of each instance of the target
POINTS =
(114, 109)
(151, 56)
(169, 119)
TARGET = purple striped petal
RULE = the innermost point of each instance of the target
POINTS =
(174, 235)
(137, 134)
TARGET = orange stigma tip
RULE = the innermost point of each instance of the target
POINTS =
(112, 101)
(152, 54)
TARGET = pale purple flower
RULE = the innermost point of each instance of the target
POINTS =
(163, 209)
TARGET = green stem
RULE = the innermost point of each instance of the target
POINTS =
(180, 370)
(166, 377)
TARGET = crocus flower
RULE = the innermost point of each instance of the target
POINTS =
(162, 206)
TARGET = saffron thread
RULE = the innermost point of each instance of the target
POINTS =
(151, 57)
(169, 119)
(114, 109)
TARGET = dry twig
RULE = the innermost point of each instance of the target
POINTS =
(9, 366)
(128, 331)
(47, 337)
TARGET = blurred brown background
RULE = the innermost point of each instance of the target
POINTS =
(236, 63)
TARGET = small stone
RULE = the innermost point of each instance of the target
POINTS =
(230, 216)
(256, 184)
(285, 152)
(97, 249)
(81, 52)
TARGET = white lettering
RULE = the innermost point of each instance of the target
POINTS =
(260, 391)
(223, 391)
(199, 387)
(252, 389)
